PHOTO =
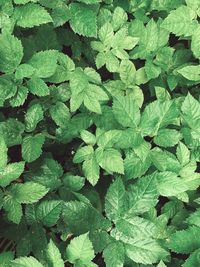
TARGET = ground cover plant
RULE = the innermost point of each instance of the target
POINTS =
(99, 133)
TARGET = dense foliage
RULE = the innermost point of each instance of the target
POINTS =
(99, 133)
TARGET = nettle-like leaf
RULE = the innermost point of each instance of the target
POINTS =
(32, 147)
(33, 116)
(28, 192)
(44, 63)
(54, 256)
(99, 133)
(181, 21)
(26, 261)
(85, 89)
(11, 51)
(10, 173)
(83, 20)
(30, 15)
(80, 249)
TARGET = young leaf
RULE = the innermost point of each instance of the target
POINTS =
(126, 111)
(83, 20)
(191, 73)
(145, 251)
(110, 160)
(48, 212)
(91, 170)
(6, 258)
(11, 53)
(115, 200)
(13, 208)
(10, 173)
(44, 63)
(30, 15)
(3, 152)
(32, 147)
(26, 262)
(114, 254)
(185, 241)
(143, 195)
(54, 256)
(38, 87)
(180, 21)
(28, 192)
(80, 248)
(167, 137)
(33, 116)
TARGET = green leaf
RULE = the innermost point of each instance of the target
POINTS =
(131, 229)
(74, 183)
(3, 152)
(13, 208)
(90, 2)
(83, 20)
(194, 218)
(31, 15)
(91, 170)
(11, 53)
(44, 63)
(137, 163)
(60, 114)
(158, 115)
(45, 171)
(6, 258)
(33, 116)
(110, 160)
(24, 71)
(38, 87)
(143, 195)
(85, 92)
(20, 97)
(161, 264)
(183, 154)
(32, 147)
(165, 161)
(23, 2)
(152, 71)
(106, 34)
(170, 185)
(54, 256)
(114, 255)
(115, 200)
(126, 111)
(10, 173)
(195, 44)
(167, 138)
(191, 111)
(83, 153)
(180, 21)
(92, 97)
(48, 212)
(185, 241)
(60, 15)
(91, 219)
(146, 251)
(12, 130)
(193, 260)
(28, 192)
(119, 18)
(191, 73)
(26, 262)
(7, 89)
(127, 72)
(80, 248)
(88, 137)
